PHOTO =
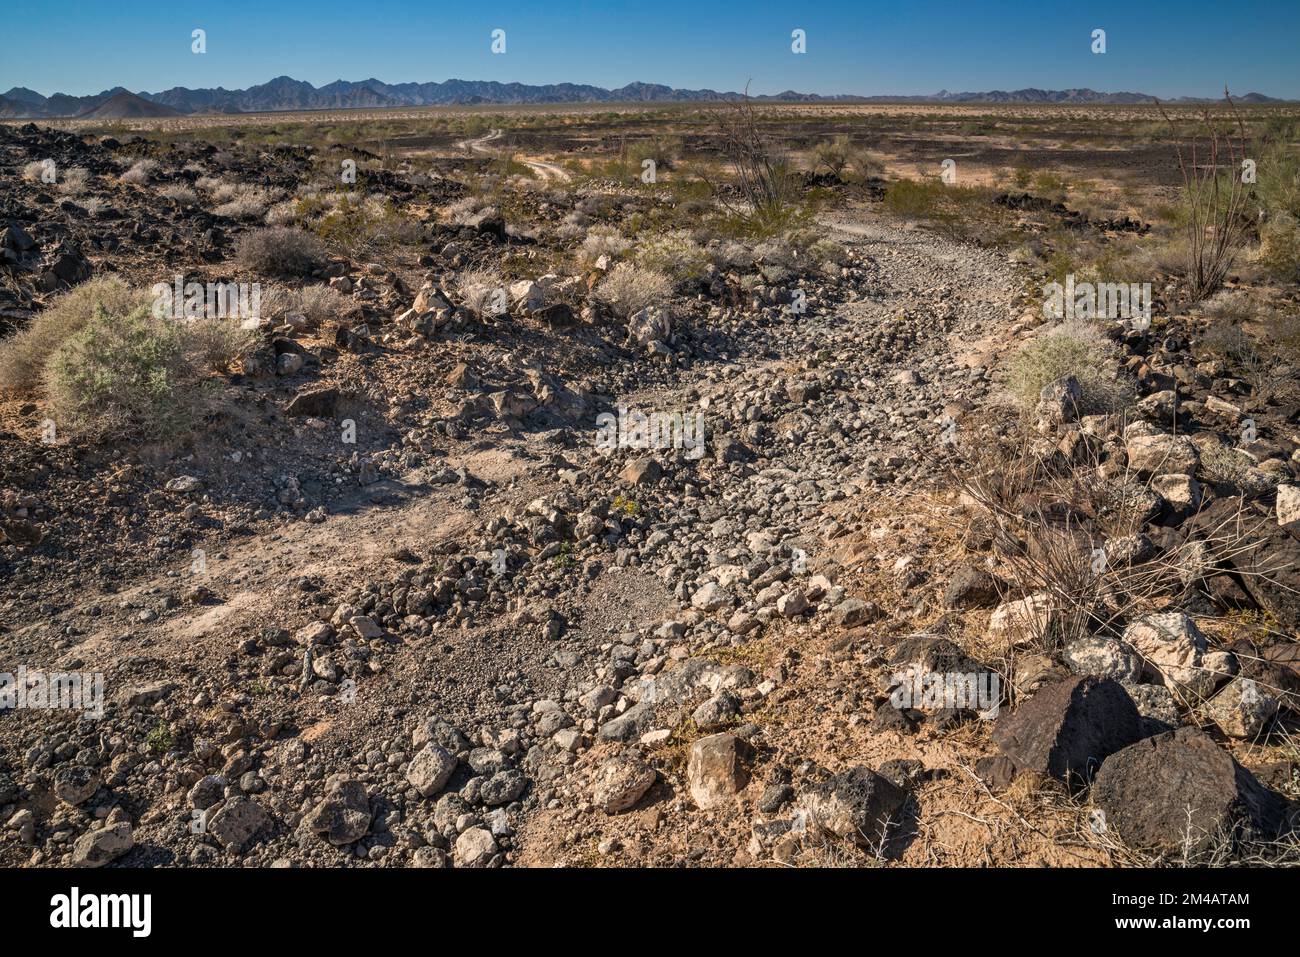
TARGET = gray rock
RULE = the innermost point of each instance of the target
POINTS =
(430, 770)
(475, 848)
(620, 783)
(1103, 657)
(343, 816)
(234, 822)
(102, 846)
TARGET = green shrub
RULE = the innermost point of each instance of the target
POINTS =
(24, 354)
(124, 374)
(1279, 247)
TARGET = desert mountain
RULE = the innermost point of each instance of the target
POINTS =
(285, 93)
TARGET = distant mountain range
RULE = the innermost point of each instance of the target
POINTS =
(285, 93)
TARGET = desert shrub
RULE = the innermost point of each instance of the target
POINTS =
(1214, 197)
(827, 251)
(74, 180)
(280, 251)
(675, 254)
(353, 224)
(1230, 305)
(1076, 349)
(320, 304)
(1224, 465)
(1277, 189)
(1226, 341)
(628, 289)
(24, 354)
(124, 374)
(141, 172)
(181, 195)
(216, 344)
(603, 241)
(480, 291)
(777, 259)
(1279, 247)
(284, 213)
(730, 254)
(771, 200)
(94, 205)
(245, 209)
(209, 184)
(833, 155)
(950, 208)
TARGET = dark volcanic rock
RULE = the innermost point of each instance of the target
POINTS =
(972, 587)
(1180, 789)
(1068, 728)
(319, 403)
(858, 804)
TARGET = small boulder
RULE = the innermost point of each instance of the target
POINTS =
(1067, 729)
(715, 770)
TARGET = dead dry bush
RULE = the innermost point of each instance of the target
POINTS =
(280, 251)
(1070, 530)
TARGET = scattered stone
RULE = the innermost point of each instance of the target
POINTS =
(859, 805)
(715, 770)
(620, 783)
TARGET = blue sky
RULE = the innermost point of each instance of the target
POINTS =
(1189, 47)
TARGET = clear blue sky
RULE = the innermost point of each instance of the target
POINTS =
(1163, 47)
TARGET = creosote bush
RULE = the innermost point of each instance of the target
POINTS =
(124, 375)
(24, 354)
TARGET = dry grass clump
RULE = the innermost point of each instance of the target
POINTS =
(73, 180)
(280, 251)
(38, 171)
(140, 172)
(1073, 348)
(244, 202)
(674, 254)
(24, 354)
(603, 241)
(319, 305)
(463, 210)
(630, 288)
(481, 292)
(179, 194)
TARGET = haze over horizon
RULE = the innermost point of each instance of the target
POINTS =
(868, 48)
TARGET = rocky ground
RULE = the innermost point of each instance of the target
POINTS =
(474, 638)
